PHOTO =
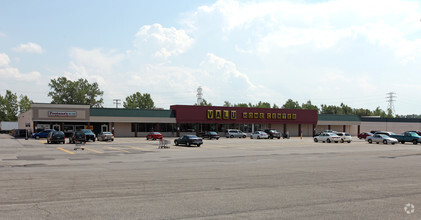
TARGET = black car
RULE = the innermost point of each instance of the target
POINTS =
(272, 133)
(188, 140)
(77, 137)
(210, 135)
(89, 135)
(55, 137)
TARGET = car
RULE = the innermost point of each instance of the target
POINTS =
(105, 136)
(154, 136)
(89, 135)
(231, 133)
(55, 137)
(363, 135)
(381, 138)
(272, 133)
(77, 137)
(418, 132)
(259, 135)
(345, 137)
(188, 140)
(210, 135)
(327, 137)
(388, 133)
(42, 134)
(408, 137)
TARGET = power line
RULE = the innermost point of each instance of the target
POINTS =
(390, 99)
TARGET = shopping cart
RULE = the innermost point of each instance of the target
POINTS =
(163, 143)
(80, 145)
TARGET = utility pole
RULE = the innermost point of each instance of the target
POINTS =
(390, 98)
(116, 102)
(199, 96)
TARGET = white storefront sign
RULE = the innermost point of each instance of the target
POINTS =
(61, 114)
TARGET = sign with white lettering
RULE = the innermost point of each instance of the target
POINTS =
(61, 114)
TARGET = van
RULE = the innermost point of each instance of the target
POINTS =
(232, 133)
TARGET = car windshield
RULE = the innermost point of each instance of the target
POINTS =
(383, 136)
(212, 132)
(87, 131)
(192, 137)
(156, 133)
(107, 133)
(274, 131)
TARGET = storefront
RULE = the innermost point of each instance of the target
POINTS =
(211, 118)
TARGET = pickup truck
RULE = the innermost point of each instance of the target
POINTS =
(408, 137)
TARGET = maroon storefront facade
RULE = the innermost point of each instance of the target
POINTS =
(219, 118)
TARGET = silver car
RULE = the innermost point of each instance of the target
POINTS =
(105, 136)
(232, 133)
(327, 137)
(381, 138)
(345, 137)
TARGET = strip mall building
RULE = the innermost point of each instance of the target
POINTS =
(191, 119)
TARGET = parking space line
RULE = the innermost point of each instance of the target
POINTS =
(94, 150)
(119, 149)
(43, 142)
(139, 148)
(65, 150)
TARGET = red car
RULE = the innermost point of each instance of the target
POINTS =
(154, 136)
(363, 135)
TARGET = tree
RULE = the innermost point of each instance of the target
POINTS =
(24, 104)
(139, 101)
(64, 91)
(9, 106)
(244, 105)
(204, 103)
(275, 106)
(227, 104)
(290, 104)
(309, 106)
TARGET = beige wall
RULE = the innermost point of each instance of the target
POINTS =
(24, 118)
(396, 127)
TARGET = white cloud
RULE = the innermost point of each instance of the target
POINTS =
(7, 72)
(162, 42)
(96, 60)
(29, 48)
(2, 34)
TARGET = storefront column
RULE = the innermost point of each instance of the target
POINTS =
(328, 127)
(135, 129)
(358, 130)
(36, 123)
(62, 126)
(112, 127)
(344, 128)
(252, 128)
(314, 130)
(285, 128)
(299, 130)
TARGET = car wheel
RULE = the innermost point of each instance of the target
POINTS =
(370, 141)
(188, 144)
(251, 137)
(37, 137)
(402, 142)
(328, 141)
(384, 142)
(232, 136)
(342, 140)
(258, 137)
(360, 138)
(279, 137)
(415, 142)
(315, 140)
(244, 136)
(217, 138)
(93, 140)
(393, 143)
(176, 143)
(198, 145)
(349, 142)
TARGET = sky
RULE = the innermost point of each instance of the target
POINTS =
(330, 52)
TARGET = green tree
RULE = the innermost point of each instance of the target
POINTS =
(24, 104)
(64, 91)
(309, 106)
(244, 105)
(139, 101)
(204, 103)
(227, 104)
(9, 106)
(290, 104)
(275, 106)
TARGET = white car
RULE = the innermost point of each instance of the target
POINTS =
(345, 137)
(327, 137)
(259, 135)
(381, 138)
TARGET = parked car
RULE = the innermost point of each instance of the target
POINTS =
(210, 135)
(259, 135)
(327, 137)
(272, 133)
(42, 134)
(189, 140)
(345, 137)
(77, 137)
(154, 136)
(231, 133)
(408, 137)
(388, 133)
(55, 137)
(105, 136)
(381, 138)
(418, 132)
(363, 135)
(89, 135)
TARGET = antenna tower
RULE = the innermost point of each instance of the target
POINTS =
(199, 95)
(116, 102)
(390, 99)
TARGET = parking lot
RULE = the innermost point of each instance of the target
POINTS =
(131, 178)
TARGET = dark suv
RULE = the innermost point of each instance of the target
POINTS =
(272, 133)
(77, 137)
(55, 137)
(89, 135)
(210, 135)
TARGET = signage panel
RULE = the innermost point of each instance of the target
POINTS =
(61, 114)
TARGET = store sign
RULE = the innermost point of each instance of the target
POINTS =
(61, 114)
(232, 115)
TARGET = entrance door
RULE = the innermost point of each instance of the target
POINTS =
(56, 127)
(104, 128)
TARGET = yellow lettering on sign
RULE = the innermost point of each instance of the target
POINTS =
(294, 116)
(210, 114)
(251, 115)
(262, 115)
(269, 116)
(233, 115)
(245, 114)
(273, 115)
(289, 116)
(279, 116)
(218, 114)
(256, 115)
(226, 114)
(284, 116)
